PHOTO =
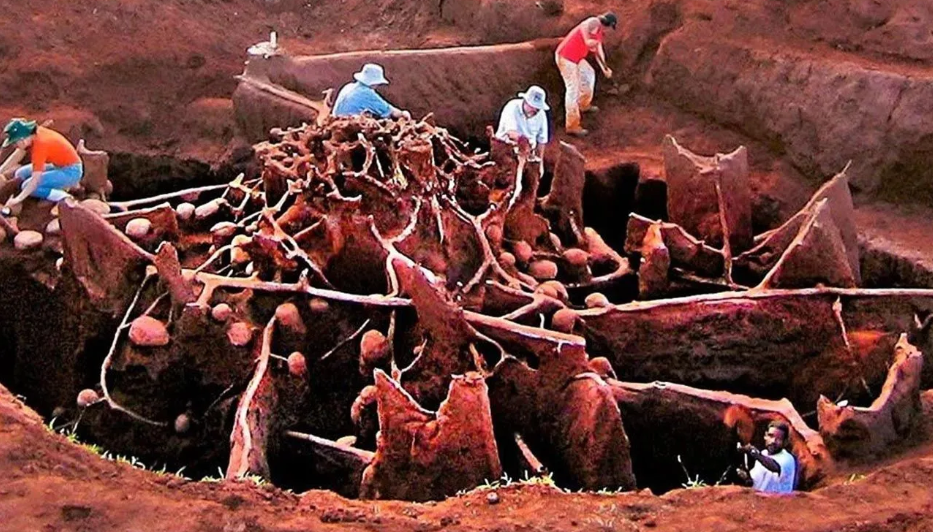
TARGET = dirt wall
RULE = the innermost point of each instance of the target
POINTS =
(820, 111)
(464, 87)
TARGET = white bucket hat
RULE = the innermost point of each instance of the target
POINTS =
(535, 97)
(371, 74)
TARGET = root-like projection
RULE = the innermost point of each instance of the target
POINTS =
(417, 320)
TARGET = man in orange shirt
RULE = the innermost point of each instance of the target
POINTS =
(55, 166)
(579, 76)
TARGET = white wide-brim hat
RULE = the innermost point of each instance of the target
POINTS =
(371, 74)
(535, 97)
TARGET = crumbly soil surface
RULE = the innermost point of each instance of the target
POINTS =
(51, 484)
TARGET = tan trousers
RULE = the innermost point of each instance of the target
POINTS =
(580, 82)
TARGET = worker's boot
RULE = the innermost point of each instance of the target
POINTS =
(580, 133)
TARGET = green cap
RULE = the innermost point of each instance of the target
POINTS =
(17, 130)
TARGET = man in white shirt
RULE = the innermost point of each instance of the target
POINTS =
(525, 118)
(775, 469)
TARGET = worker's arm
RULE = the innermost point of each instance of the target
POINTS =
(12, 161)
(27, 190)
(601, 60)
(769, 463)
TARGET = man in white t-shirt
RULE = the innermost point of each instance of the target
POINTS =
(525, 118)
(775, 469)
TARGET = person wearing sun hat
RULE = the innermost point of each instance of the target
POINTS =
(579, 76)
(526, 117)
(55, 165)
(360, 96)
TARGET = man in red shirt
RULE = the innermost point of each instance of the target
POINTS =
(579, 76)
(55, 166)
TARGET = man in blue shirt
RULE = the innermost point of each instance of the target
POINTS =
(360, 96)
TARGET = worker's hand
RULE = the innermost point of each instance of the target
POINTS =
(406, 115)
(743, 474)
(607, 72)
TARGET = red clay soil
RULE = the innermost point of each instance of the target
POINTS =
(156, 78)
(50, 484)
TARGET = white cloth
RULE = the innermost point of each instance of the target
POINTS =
(513, 119)
(580, 82)
(770, 482)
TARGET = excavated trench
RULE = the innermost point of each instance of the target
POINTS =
(379, 309)
(211, 394)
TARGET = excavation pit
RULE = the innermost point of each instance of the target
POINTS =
(385, 313)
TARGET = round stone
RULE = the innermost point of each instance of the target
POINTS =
(576, 257)
(564, 320)
(555, 289)
(543, 270)
(297, 365)
(374, 348)
(185, 211)
(522, 251)
(87, 397)
(54, 227)
(221, 312)
(97, 206)
(138, 228)
(240, 334)
(182, 423)
(27, 240)
(288, 317)
(318, 305)
(596, 299)
(146, 331)
(507, 260)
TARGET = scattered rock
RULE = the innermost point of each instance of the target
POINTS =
(576, 257)
(318, 305)
(522, 251)
(27, 240)
(221, 312)
(146, 331)
(185, 211)
(87, 397)
(53, 228)
(182, 423)
(597, 299)
(138, 228)
(542, 270)
(602, 367)
(297, 365)
(507, 260)
(240, 334)
(492, 497)
(555, 289)
(97, 206)
(564, 320)
(374, 349)
(288, 317)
